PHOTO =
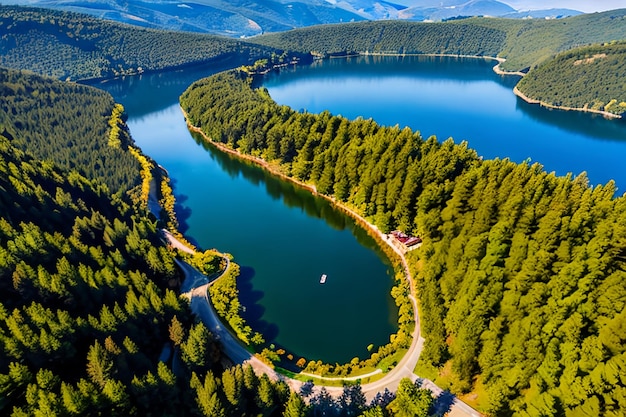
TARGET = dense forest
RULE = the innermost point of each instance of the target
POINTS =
(521, 276)
(523, 43)
(395, 37)
(70, 125)
(90, 322)
(76, 46)
(590, 77)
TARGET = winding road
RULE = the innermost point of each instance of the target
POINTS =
(195, 288)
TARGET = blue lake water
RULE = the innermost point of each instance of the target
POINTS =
(463, 99)
(285, 239)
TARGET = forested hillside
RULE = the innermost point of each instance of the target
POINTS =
(84, 301)
(592, 78)
(531, 41)
(523, 43)
(70, 125)
(88, 287)
(77, 46)
(69, 45)
(521, 276)
(90, 321)
(394, 37)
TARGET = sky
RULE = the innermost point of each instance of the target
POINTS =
(586, 6)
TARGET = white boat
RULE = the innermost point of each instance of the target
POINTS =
(323, 279)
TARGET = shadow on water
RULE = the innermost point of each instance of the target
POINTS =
(183, 212)
(152, 92)
(253, 311)
(291, 194)
(588, 124)
(434, 67)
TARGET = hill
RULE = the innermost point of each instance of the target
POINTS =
(240, 18)
(75, 46)
(235, 18)
(46, 118)
(590, 78)
(523, 43)
(85, 300)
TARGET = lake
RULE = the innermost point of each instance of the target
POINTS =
(284, 238)
(460, 98)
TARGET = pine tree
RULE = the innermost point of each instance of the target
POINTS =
(232, 387)
(176, 331)
(265, 396)
(295, 406)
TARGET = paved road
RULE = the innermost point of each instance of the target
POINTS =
(195, 287)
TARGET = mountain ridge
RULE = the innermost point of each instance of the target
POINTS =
(240, 18)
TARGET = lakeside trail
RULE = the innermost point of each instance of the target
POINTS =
(405, 367)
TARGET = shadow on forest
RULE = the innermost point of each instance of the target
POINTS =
(253, 312)
(443, 403)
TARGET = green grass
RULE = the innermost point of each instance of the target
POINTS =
(391, 361)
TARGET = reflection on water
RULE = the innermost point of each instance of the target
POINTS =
(145, 94)
(463, 99)
(595, 125)
(289, 194)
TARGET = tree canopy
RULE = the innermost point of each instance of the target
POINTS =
(591, 78)
(521, 276)
(75, 126)
(522, 42)
(76, 46)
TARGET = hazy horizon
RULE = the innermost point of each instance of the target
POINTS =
(586, 6)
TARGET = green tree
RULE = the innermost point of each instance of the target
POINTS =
(410, 400)
(295, 406)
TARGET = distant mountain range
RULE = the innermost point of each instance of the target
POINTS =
(241, 18)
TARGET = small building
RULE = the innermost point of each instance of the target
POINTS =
(405, 239)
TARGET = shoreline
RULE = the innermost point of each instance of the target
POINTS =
(389, 249)
(529, 100)
(497, 70)
(372, 230)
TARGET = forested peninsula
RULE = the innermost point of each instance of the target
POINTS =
(589, 79)
(521, 274)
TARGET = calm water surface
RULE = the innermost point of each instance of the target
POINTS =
(285, 239)
(463, 99)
